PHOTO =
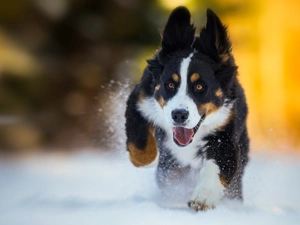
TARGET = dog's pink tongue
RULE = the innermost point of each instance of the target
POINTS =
(183, 135)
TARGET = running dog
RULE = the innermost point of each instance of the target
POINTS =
(188, 113)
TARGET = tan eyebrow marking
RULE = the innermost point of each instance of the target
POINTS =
(194, 77)
(175, 77)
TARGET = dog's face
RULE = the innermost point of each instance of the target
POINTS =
(194, 72)
(187, 92)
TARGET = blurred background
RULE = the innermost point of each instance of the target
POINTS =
(61, 60)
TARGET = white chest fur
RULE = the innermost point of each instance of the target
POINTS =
(187, 155)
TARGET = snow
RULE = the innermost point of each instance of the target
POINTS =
(90, 188)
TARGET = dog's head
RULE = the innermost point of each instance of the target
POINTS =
(192, 74)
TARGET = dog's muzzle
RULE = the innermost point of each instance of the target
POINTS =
(183, 136)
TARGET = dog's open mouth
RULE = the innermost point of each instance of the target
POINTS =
(183, 136)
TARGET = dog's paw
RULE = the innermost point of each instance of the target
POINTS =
(200, 206)
(204, 199)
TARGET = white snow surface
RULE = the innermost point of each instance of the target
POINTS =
(90, 188)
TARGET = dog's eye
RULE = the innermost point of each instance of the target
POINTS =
(198, 87)
(171, 85)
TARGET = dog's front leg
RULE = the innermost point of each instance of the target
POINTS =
(218, 170)
(140, 142)
(209, 190)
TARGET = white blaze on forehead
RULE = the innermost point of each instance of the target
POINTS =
(184, 66)
(182, 100)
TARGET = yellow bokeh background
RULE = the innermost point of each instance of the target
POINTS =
(59, 61)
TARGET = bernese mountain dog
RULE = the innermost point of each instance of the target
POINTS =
(188, 114)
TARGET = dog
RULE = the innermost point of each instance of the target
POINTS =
(188, 113)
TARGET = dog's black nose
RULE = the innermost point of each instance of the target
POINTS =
(180, 115)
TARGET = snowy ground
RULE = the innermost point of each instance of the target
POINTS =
(88, 188)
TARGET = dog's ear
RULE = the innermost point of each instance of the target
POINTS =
(214, 40)
(178, 33)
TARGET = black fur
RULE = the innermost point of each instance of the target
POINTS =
(228, 145)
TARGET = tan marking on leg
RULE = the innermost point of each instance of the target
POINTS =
(143, 157)
(219, 93)
(175, 77)
(223, 181)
